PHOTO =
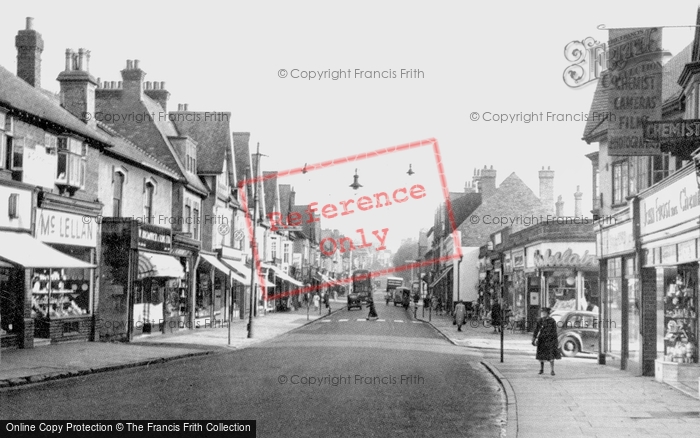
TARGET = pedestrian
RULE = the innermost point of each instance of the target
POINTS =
(372, 310)
(545, 338)
(496, 316)
(326, 301)
(460, 315)
(317, 300)
(438, 311)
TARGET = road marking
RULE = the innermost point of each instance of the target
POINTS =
(361, 319)
(326, 320)
(381, 320)
(398, 320)
(343, 320)
(416, 322)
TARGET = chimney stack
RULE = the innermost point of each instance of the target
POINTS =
(560, 207)
(78, 86)
(469, 187)
(485, 181)
(547, 188)
(578, 197)
(29, 45)
(132, 81)
(158, 93)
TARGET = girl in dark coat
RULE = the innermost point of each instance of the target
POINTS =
(545, 338)
(496, 316)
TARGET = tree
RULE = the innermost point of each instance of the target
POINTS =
(407, 251)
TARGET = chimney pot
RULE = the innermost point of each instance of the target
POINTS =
(69, 58)
(114, 84)
(560, 207)
(155, 85)
(146, 85)
(136, 64)
(162, 85)
(184, 107)
(119, 84)
(129, 64)
(99, 82)
(81, 59)
(30, 23)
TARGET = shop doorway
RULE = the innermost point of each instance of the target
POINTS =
(533, 302)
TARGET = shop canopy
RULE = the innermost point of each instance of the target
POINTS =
(241, 272)
(159, 265)
(441, 276)
(280, 273)
(223, 268)
(24, 250)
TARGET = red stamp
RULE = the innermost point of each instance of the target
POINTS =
(382, 202)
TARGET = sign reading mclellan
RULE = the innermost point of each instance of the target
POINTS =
(65, 228)
(633, 81)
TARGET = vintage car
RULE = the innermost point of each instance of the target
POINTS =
(401, 296)
(578, 332)
(354, 300)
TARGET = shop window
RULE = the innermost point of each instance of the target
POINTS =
(561, 287)
(72, 154)
(680, 316)
(11, 300)
(117, 193)
(620, 182)
(613, 306)
(60, 293)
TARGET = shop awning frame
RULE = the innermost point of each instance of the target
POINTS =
(153, 264)
(240, 272)
(22, 249)
(440, 277)
(280, 273)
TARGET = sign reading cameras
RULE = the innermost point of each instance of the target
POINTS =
(633, 84)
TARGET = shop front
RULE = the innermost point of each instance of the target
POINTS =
(240, 275)
(619, 314)
(668, 217)
(62, 293)
(214, 292)
(517, 290)
(143, 288)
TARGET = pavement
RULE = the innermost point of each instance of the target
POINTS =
(583, 399)
(59, 361)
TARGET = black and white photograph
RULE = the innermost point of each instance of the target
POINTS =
(349, 219)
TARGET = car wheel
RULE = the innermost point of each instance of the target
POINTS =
(569, 347)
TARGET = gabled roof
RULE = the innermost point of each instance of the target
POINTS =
(670, 90)
(150, 133)
(311, 231)
(513, 200)
(464, 206)
(25, 100)
(244, 165)
(212, 134)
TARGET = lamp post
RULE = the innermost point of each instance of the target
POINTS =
(254, 243)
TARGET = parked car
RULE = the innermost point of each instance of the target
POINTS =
(354, 300)
(578, 332)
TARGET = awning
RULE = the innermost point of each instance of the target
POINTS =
(24, 250)
(441, 276)
(280, 273)
(241, 272)
(216, 263)
(159, 265)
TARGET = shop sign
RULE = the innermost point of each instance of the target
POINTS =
(566, 259)
(154, 238)
(633, 82)
(518, 258)
(616, 239)
(675, 204)
(65, 228)
(668, 254)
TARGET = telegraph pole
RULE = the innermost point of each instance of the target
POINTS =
(254, 243)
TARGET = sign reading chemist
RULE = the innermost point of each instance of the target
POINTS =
(65, 228)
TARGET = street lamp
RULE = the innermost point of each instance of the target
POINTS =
(355, 183)
(253, 243)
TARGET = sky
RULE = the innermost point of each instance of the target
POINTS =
(478, 58)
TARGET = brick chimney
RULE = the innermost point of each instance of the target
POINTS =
(132, 81)
(578, 197)
(547, 188)
(560, 207)
(469, 187)
(156, 91)
(78, 86)
(29, 45)
(485, 181)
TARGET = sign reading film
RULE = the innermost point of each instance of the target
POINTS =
(633, 83)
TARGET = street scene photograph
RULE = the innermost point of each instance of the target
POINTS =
(367, 219)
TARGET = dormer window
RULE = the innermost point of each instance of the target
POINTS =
(70, 172)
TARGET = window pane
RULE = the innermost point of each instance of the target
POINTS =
(62, 168)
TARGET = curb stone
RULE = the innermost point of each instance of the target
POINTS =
(21, 381)
(511, 427)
